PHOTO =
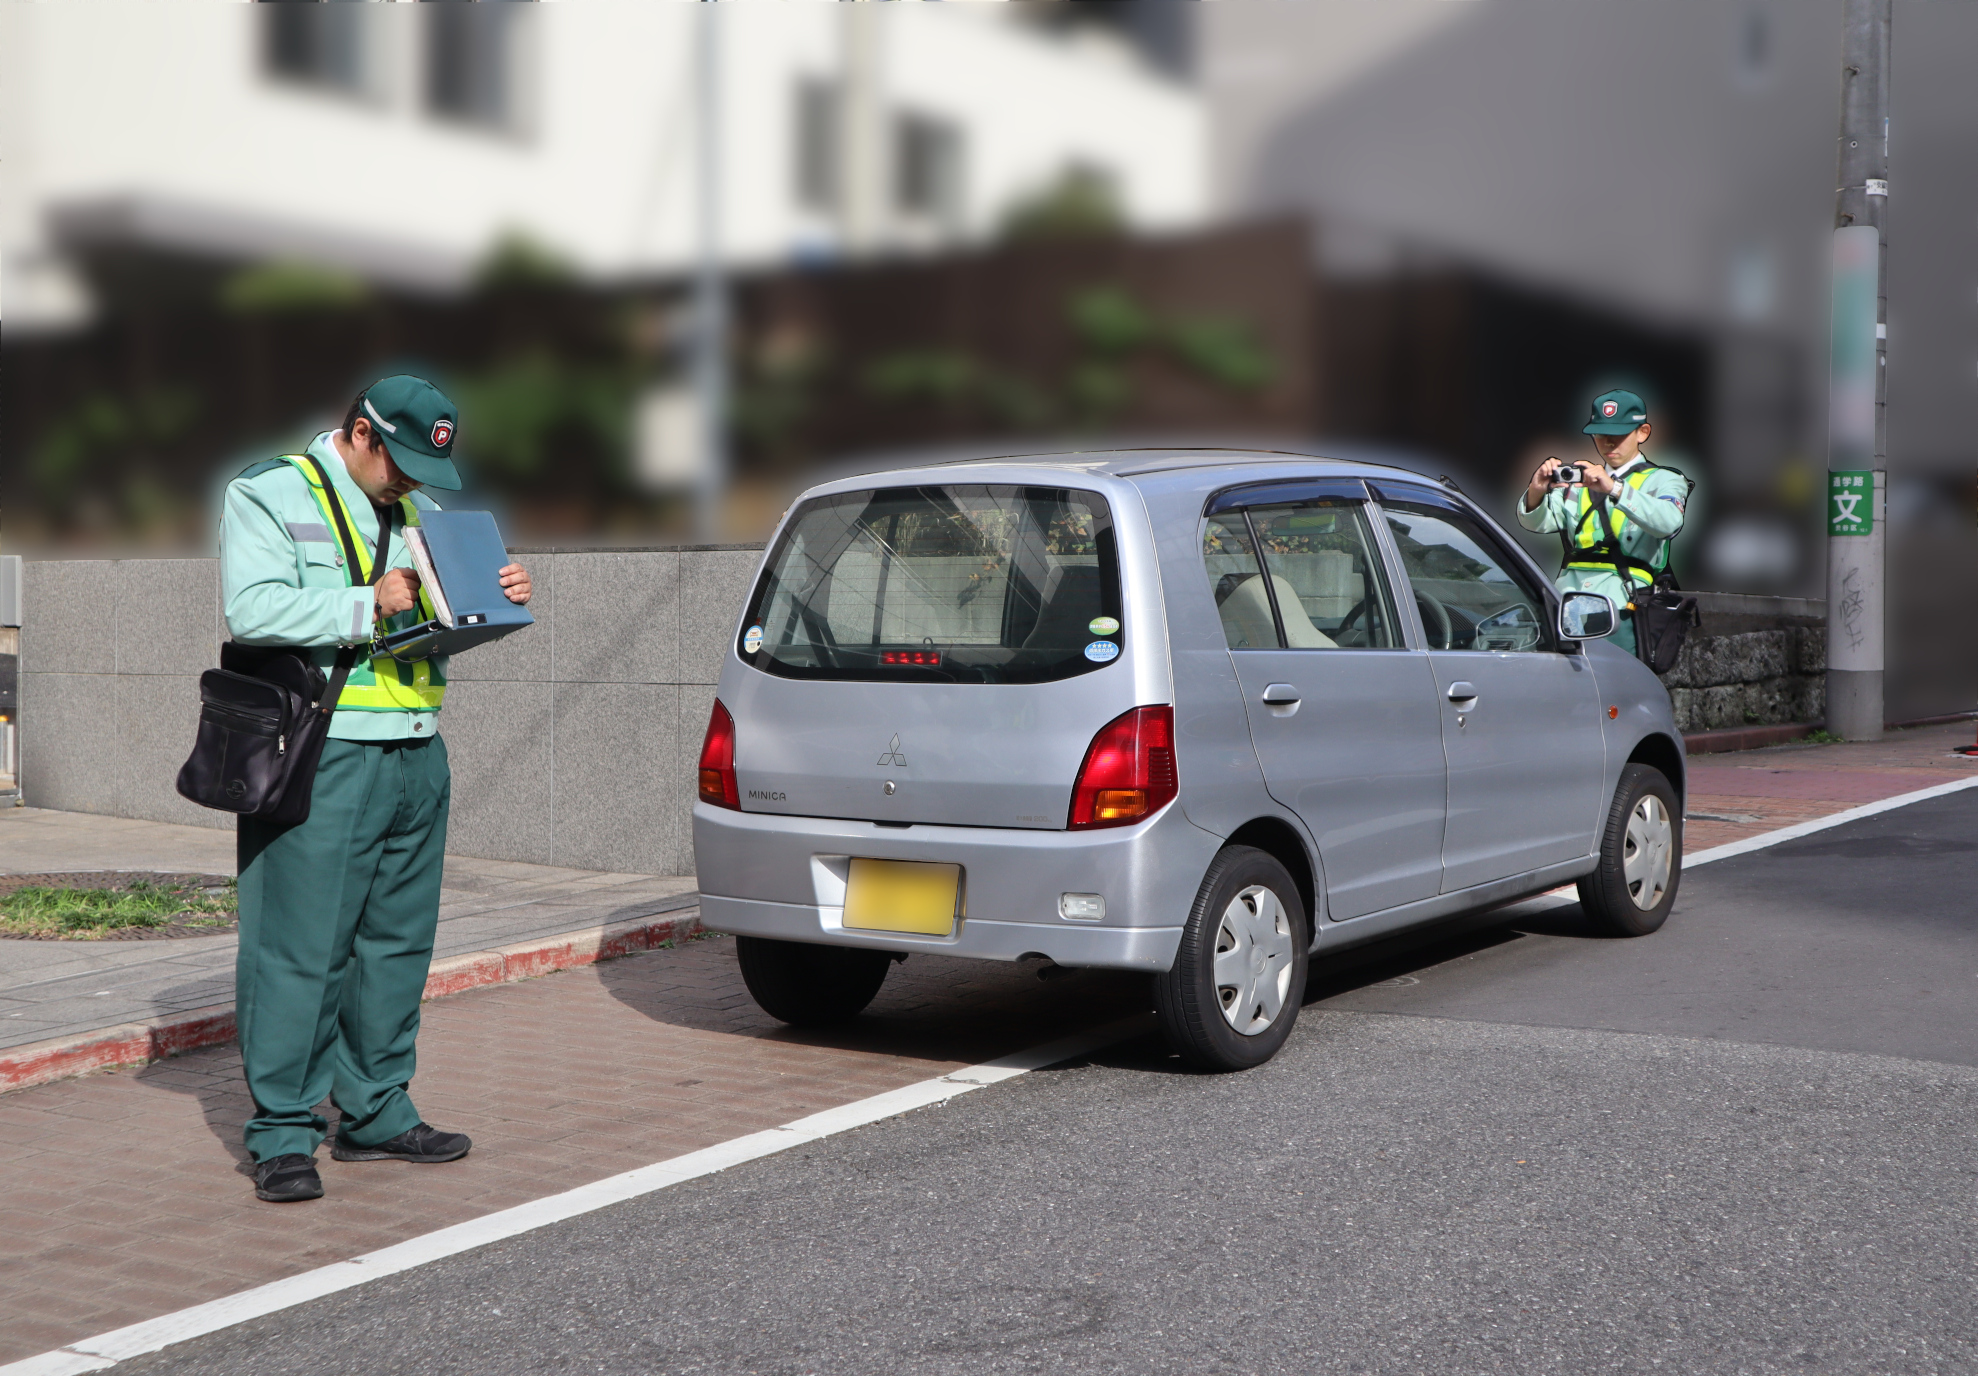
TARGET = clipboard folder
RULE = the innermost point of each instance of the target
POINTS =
(459, 555)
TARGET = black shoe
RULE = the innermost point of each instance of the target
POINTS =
(287, 1179)
(424, 1143)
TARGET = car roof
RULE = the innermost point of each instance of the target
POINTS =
(1131, 464)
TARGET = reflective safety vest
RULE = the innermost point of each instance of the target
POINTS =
(384, 683)
(1594, 544)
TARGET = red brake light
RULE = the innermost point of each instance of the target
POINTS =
(1128, 774)
(718, 760)
(927, 657)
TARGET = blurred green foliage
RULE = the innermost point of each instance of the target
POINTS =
(1112, 329)
(286, 287)
(519, 261)
(105, 431)
(525, 408)
(1080, 204)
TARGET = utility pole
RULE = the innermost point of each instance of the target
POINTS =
(710, 292)
(861, 131)
(1858, 385)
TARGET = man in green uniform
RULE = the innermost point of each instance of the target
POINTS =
(1616, 522)
(337, 913)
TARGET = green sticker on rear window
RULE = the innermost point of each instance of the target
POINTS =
(1102, 625)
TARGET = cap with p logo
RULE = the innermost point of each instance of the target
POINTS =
(1616, 413)
(417, 422)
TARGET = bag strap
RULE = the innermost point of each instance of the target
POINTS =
(347, 656)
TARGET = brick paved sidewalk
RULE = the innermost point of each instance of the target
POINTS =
(124, 1195)
(1796, 783)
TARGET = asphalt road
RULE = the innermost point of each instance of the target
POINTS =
(1742, 1145)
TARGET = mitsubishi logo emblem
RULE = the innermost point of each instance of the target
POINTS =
(893, 755)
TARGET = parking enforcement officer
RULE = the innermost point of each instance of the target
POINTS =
(1615, 524)
(337, 914)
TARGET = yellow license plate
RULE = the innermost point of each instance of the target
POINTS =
(903, 896)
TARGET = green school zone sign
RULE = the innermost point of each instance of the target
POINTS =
(1851, 502)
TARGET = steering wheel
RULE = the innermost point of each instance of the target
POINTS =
(1348, 619)
(1435, 620)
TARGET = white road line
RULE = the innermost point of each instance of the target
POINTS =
(1835, 819)
(107, 1349)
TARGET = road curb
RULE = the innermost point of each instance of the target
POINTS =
(1747, 737)
(154, 1039)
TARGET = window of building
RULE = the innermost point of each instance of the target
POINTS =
(471, 51)
(816, 145)
(318, 44)
(927, 168)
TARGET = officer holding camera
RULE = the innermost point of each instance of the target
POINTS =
(1614, 518)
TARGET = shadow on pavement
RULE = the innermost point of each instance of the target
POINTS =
(931, 1007)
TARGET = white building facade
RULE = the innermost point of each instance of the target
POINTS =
(400, 142)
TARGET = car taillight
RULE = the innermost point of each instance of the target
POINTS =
(1128, 772)
(718, 760)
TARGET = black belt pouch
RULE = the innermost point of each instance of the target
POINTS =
(260, 733)
(1663, 620)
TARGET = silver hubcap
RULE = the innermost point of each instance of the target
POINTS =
(1253, 960)
(1648, 852)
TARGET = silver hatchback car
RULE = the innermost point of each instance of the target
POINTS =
(1203, 714)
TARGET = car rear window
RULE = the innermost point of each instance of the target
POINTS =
(946, 584)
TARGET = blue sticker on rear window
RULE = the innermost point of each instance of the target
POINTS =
(1101, 651)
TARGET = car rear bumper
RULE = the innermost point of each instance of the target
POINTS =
(784, 877)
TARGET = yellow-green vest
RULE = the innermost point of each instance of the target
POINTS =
(384, 684)
(1588, 548)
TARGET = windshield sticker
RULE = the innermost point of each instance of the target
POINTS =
(1102, 625)
(1102, 651)
(752, 639)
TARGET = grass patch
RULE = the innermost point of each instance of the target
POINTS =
(1821, 737)
(42, 911)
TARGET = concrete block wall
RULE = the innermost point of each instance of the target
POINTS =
(572, 743)
(1755, 661)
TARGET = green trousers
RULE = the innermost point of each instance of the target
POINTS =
(337, 917)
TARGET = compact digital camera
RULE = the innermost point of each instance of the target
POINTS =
(1567, 474)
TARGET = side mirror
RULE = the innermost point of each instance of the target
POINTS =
(1586, 616)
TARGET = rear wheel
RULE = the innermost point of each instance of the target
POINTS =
(1239, 976)
(807, 985)
(1641, 856)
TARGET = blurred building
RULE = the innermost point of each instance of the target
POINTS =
(399, 142)
(1564, 175)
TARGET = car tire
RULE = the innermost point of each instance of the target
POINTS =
(807, 985)
(1249, 914)
(1641, 857)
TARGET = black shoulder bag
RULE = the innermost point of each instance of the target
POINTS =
(1663, 614)
(265, 712)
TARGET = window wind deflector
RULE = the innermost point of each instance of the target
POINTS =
(1287, 492)
(1388, 491)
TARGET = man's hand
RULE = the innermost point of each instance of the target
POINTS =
(398, 591)
(515, 582)
(1540, 484)
(1600, 479)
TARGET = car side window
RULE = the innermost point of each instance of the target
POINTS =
(1327, 575)
(1471, 596)
(1230, 558)
(1318, 585)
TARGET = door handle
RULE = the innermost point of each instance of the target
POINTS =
(1464, 695)
(1280, 694)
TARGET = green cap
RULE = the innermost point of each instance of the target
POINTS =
(1614, 413)
(418, 425)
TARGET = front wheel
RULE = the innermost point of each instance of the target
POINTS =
(1641, 856)
(1239, 975)
(807, 985)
